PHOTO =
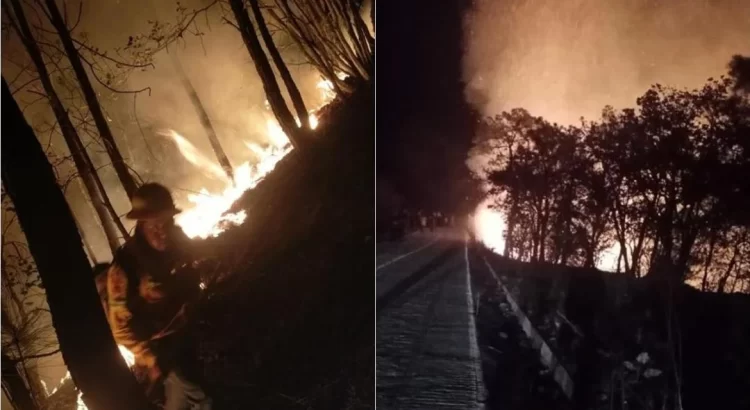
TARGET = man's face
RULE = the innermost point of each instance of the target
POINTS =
(156, 232)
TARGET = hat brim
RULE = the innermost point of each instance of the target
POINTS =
(147, 215)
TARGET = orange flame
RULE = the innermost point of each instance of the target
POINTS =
(206, 213)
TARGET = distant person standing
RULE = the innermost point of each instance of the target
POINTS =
(422, 220)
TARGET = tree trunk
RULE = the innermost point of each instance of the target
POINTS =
(619, 223)
(654, 254)
(121, 168)
(104, 197)
(205, 121)
(85, 338)
(735, 251)
(638, 249)
(262, 66)
(73, 141)
(18, 393)
(512, 215)
(286, 76)
(543, 234)
(709, 258)
(589, 262)
(686, 248)
(86, 244)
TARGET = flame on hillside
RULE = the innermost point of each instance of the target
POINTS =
(207, 214)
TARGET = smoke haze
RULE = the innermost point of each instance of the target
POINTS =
(567, 59)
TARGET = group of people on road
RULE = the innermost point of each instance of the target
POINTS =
(422, 220)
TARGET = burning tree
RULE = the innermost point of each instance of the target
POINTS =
(85, 340)
(123, 173)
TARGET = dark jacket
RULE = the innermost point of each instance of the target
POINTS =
(147, 293)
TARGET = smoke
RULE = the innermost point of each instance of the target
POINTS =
(220, 69)
(564, 60)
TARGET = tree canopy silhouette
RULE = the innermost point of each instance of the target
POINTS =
(665, 183)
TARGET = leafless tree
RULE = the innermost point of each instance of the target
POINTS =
(332, 35)
(267, 76)
(15, 14)
(86, 342)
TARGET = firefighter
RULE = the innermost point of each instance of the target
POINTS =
(148, 295)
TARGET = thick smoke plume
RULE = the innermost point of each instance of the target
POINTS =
(567, 59)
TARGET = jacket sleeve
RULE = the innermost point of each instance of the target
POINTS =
(120, 316)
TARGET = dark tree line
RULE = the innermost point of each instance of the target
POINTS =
(666, 183)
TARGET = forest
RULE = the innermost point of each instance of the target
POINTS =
(660, 189)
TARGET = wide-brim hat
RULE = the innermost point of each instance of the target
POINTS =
(152, 201)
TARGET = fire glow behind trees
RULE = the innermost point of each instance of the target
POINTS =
(562, 60)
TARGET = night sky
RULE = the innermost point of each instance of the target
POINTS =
(424, 125)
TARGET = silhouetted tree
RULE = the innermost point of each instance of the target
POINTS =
(739, 68)
(94, 188)
(86, 341)
(286, 76)
(663, 181)
(121, 168)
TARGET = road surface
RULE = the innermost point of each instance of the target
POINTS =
(427, 354)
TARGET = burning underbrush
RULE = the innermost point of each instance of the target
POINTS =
(294, 323)
(206, 213)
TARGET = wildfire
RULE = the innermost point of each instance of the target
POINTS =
(489, 226)
(207, 214)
